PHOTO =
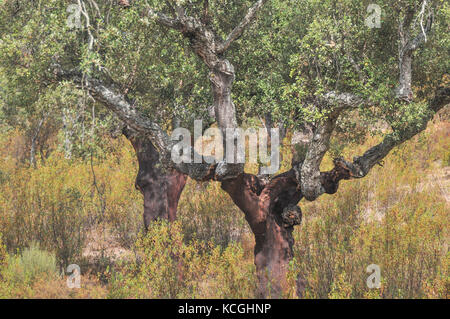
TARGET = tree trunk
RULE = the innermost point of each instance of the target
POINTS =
(68, 124)
(271, 211)
(222, 77)
(273, 252)
(161, 190)
(34, 139)
(33, 152)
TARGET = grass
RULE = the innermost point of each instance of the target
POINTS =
(32, 263)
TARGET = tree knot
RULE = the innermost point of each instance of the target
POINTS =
(291, 216)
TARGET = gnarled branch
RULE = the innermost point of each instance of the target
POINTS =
(362, 165)
(308, 174)
(164, 20)
(131, 116)
(343, 100)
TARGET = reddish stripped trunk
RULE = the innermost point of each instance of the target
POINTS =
(272, 213)
(161, 190)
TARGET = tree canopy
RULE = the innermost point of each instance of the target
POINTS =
(294, 53)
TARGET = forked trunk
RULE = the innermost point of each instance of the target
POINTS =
(272, 213)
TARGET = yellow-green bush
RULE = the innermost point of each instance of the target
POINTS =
(32, 264)
(39, 206)
(58, 203)
(208, 214)
(334, 248)
(167, 267)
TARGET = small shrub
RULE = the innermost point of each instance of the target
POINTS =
(208, 214)
(167, 267)
(31, 264)
(230, 273)
(446, 159)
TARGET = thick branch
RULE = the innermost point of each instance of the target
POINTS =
(308, 169)
(343, 100)
(244, 190)
(164, 20)
(117, 103)
(130, 115)
(239, 29)
(203, 43)
(362, 165)
(315, 183)
(421, 37)
(308, 174)
(258, 199)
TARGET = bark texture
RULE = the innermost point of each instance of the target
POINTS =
(271, 211)
(161, 189)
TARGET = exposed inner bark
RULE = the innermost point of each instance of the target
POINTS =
(161, 190)
(272, 213)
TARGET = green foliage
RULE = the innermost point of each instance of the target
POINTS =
(31, 264)
(446, 160)
(295, 51)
